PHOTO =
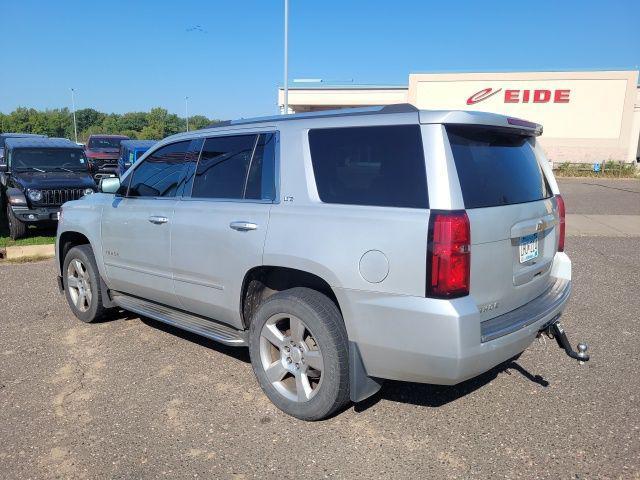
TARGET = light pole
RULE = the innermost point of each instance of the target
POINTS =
(286, 57)
(186, 110)
(73, 110)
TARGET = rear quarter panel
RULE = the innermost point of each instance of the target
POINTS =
(329, 240)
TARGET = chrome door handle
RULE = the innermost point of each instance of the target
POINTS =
(158, 220)
(243, 226)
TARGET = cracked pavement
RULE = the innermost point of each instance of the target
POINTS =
(132, 398)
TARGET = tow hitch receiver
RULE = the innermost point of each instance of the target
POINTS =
(556, 331)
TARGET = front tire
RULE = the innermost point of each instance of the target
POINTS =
(81, 282)
(17, 229)
(299, 353)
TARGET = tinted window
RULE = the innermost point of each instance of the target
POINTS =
(380, 166)
(161, 174)
(496, 167)
(223, 166)
(261, 179)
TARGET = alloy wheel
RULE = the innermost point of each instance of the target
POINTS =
(79, 285)
(291, 357)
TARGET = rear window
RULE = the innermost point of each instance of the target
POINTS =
(377, 166)
(496, 167)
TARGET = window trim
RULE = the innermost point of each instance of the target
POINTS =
(276, 168)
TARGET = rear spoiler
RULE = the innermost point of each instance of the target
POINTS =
(461, 117)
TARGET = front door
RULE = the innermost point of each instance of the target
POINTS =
(219, 233)
(136, 227)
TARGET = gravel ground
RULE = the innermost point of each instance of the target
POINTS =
(132, 398)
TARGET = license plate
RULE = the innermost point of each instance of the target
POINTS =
(528, 247)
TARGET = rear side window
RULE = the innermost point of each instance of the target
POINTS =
(237, 167)
(161, 174)
(377, 166)
(261, 178)
(496, 167)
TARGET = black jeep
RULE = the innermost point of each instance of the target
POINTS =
(4, 136)
(37, 176)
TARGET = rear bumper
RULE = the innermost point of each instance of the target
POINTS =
(439, 341)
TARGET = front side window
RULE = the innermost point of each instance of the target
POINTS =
(161, 174)
(376, 166)
(236, 167)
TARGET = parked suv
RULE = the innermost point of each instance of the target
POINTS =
(102, 152)
(39, 175)
(342, 248)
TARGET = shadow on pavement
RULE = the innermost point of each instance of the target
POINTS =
(239, 353)
(427, 395)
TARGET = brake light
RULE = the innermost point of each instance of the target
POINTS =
(562, 224)
(448, 254)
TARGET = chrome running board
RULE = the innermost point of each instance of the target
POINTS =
(181, 319)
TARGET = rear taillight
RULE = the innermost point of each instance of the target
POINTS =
(561, 224)
(448, 255)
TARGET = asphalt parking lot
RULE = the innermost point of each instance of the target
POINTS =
(132, 398)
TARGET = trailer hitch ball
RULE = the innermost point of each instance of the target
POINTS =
(556, 331)
(582, 352)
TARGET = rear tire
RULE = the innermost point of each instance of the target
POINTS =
(81, 281)
(17, 229)
(299, 352)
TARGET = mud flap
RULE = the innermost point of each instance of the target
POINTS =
(361, 385)
(106, 295)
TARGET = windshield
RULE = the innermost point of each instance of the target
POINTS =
(105, 142)
(48, 159)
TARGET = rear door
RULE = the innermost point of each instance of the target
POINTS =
(512, 214)
(219, 232)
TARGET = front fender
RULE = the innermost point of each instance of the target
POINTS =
(83, 217)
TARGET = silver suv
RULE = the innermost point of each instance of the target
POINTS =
(342, 247)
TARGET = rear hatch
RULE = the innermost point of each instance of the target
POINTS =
(512, 215)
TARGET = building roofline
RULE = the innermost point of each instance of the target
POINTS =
(348, 87)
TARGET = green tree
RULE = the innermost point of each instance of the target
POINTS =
(88, 117)
(58, 122)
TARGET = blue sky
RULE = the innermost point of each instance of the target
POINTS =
(133, 55)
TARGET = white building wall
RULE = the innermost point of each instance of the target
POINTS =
(587, 116)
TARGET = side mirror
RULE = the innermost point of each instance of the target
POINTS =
(4, 168)
(109, 185)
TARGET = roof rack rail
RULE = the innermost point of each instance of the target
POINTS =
(342, 112)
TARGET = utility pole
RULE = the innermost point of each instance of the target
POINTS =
(286, 57)
(73, 110)
(186, 110)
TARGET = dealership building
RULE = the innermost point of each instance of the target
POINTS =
(587, 116)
